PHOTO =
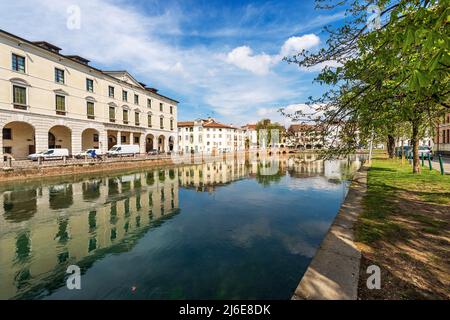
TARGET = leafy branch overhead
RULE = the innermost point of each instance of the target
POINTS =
(393, 74)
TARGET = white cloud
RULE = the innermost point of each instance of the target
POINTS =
(260, 64)
(295, 45)
(243, 58)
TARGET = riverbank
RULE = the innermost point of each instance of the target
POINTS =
(404, 229)
(334, 271)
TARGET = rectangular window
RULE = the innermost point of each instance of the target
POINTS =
(19, 97)
(125, 116)
(136, 140)
(149, 120)
(61, 105)
(161, 108)
(90, 110)
(161, 123)
(149, 103)
(123, 139)
(111, 92)
(90, 85)
(7, 150)
(18, 63)
(7, 133)
(171, 124)
(95, 136)
(136, 118)
(124, 96)
(59, 75)
(112, 114)
(171, 110)
(136, 99)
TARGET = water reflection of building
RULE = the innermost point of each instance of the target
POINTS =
(206, 176)
(46, 228)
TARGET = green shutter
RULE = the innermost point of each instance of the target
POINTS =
(112, 113)
(20, 95)
(60, 103)
(90, 109)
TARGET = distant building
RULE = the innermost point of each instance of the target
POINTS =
(251, 136)
(208, 135)
(442, 137)
(305, 136)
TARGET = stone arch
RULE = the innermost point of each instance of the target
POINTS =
(90, 139)
(171, 143)
(112, 141)
(19, 139)
(149, 142)
(62, 138)
(162, 143)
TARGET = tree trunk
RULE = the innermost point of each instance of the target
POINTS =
(391, 146)
(415, 144)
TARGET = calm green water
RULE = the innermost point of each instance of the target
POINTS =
(236, 229)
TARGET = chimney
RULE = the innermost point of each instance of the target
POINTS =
(79, 59)
(47, 46)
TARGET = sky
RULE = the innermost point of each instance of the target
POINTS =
(221, 59)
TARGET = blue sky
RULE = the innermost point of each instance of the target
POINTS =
(218, 58)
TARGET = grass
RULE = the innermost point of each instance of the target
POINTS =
(405, 230)
(387, 183)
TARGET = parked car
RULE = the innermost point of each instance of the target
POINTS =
(50, 154)
(424, 151)
(123, 150)
(398, 151)
(88, 153)
(153, 152)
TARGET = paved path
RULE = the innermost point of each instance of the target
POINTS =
(334, 271)
(446, 162)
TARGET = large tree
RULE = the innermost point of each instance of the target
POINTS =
(392, 70)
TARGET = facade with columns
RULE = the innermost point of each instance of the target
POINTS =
(51, 100)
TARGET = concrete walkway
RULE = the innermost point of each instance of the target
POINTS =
(334, 271)
(445, 161)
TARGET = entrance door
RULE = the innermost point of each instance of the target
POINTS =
(31, 149)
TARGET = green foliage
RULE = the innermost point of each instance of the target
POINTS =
(391, 80)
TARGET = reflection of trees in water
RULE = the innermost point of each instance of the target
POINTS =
(20, 205)
(91, 190)
(265, 179)
(61, 196)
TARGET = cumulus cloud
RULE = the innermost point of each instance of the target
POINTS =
(260, 64)
(243, 58)
(295, 45)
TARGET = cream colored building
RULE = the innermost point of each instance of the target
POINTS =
(209, 136)
(51, 100)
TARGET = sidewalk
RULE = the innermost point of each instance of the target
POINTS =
(446, 163)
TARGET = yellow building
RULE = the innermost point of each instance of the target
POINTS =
(53, 100)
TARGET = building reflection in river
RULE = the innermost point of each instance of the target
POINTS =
(46, 228)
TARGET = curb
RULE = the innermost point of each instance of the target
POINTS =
(334, 271)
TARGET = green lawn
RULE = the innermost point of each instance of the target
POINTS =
(390, 185)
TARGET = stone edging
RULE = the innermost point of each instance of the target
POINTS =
(334, 271)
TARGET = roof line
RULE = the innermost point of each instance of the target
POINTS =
(77, 62)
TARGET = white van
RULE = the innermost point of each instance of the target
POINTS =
(124, 150)
(50, 154)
